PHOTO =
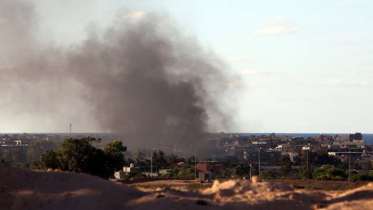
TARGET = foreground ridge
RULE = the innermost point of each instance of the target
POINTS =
(26, 189)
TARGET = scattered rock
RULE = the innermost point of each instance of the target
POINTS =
(255, 179)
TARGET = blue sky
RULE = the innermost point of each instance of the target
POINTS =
(304, 66)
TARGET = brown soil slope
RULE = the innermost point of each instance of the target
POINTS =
(24, 189)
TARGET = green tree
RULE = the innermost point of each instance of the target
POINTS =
(49, 159)
(317, 159)
(38, 147)
(323, 158)
(172, 159)
(229, 171)
(191, 159)
(5, 157)
(159, 159)
(186, 174)
(115, 147)
(304, 173)
(285, 164)
(243, 169)
(166, 175)
(114, 157)
(79, 155)
(139, 156)
(328, 172)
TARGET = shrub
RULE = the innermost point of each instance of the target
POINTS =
(328, 172)
(166, 175)
(339, 178)
(360, 177)
(321, 177)
(268, 175)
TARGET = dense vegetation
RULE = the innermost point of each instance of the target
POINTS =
(84, 155)
(79, 155)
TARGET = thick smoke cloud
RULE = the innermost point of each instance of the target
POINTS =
(141, 78)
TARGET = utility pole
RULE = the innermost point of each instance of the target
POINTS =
(259, 159)
(251, 166)
(70, 128)
(195, 163)
(307, 158)
(151, 162)
(349, 166)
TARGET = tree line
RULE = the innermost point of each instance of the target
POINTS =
(83, 155)
(80, 155)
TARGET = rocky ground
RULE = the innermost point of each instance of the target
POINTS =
(25, 189)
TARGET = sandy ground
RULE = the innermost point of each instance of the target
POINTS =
(165, 183)
(24, 189)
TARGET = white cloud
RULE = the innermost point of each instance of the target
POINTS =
(275, 19)
(137, 14)
(253, 71)
(232, 60)
(275, 30)
(364, 83)
(3, 21)
(358, 72)
(342, 40)
(341, 4)
(338, 82)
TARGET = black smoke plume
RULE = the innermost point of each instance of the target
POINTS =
(141, 78)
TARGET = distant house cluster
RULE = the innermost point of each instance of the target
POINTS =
(266, 149)
(15, 148)
(219, 149)
(15, 143)
(263, 148)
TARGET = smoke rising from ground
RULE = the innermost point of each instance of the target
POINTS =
(139, 77)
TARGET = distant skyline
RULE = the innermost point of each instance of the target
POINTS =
(301, 66)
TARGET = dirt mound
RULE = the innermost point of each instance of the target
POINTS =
(359, 198)
(24, 189)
